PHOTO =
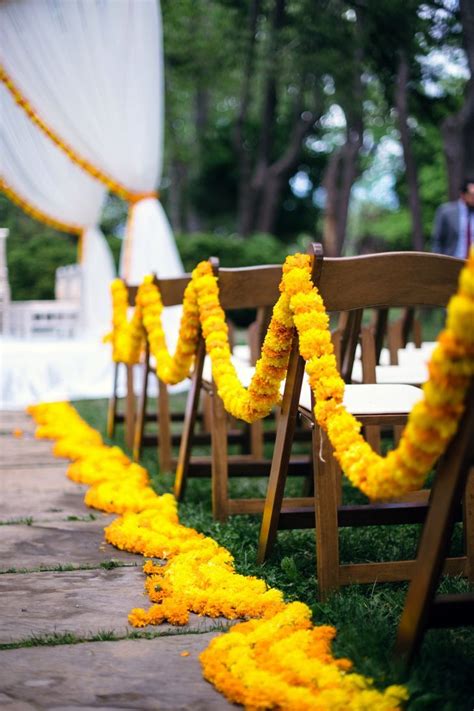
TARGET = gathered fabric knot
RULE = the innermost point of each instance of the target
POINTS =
(133, 198)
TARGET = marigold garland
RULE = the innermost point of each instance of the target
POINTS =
(432, 422)
(201, 309)
(38, 214)
(263, 393)
(278, 661)
(127, 336)
(170, 369)
(112, 184)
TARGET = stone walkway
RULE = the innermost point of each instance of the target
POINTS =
(65, 594)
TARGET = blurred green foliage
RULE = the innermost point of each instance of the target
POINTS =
(232, 250)
(35, 251)
(207, 45)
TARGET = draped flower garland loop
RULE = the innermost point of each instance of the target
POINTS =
(432, 422)
(127, 336)
(256, 401)
(170, 369)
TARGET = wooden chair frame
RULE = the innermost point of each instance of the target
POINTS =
(128, 417)
(247, 287)
(423, 609)
(365, 286)
(172, 294)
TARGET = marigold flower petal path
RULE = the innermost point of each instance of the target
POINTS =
(278, 658)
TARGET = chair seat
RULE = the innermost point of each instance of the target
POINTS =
(409, 372)
(242, 352)
(410, 353)
(372, 399)
(406, 356)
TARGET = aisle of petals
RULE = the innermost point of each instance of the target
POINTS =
(275, 660)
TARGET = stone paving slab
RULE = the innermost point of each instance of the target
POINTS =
(27, 452)
(77, 543)
(127, 674)
(44, 494)
(10, 420)
(81, 602)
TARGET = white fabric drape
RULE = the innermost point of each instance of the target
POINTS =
(142, 220)
(97, 271)
(93, 70)
(41, 174)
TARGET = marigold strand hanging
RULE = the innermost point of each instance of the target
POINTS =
(170, 369)
(263, 392)
(127, 336)
(432, 422)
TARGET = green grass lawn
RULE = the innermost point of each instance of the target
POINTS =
(366, 616)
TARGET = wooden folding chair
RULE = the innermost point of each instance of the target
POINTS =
(172, 294)
(373, 281)
(252, 288)
(127, 417)
(423, 609)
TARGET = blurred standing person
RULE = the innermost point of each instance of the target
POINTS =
(453, 232)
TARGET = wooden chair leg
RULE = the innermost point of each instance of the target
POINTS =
(206, 412)
(220, 473)
(281, 454)
(130, 409)
(447, 491)
(394, 340)
(397, 433)
(417, 334)
(326, 497)
(372, 435)
(256, 439)
(141, 411)
(468, 516)
(192, 404)
(112, 408)
(164, 428)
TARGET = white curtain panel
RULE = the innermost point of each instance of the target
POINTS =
(93, 70)
(41, 174)
(98, 270)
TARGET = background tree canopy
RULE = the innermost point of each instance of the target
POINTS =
(343, 121)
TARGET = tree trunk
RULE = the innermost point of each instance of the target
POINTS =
(340, 174)
(331, 210)
(279, 172)
(467, 19)
(452, 134)
(261, 185)
(175, 197)
(245, 208)
(401, 104)
(458, 130)
(349, 172)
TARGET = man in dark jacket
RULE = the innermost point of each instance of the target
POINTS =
(453, 232)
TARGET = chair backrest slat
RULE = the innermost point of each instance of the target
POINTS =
(249, 287)
(172, 289)
(132, 294)
(392, 279)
